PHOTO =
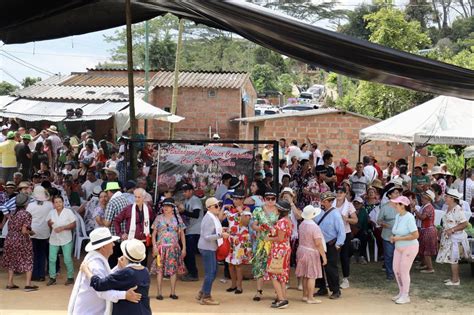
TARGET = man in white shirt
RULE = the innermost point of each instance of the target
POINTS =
(369, 170)
(359, 182)
(293, 150)
(84, 299)
(90, 184)
(469, 185)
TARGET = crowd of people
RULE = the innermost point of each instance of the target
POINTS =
(320, 215)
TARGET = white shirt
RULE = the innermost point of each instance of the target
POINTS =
(88, 186)
(317, 154)
(465, 208)
(346, 209)
(293, 151)
(91, 302)
(469, 189)
(65, 218)
(359, 184)
(39, 222)
(370, 172)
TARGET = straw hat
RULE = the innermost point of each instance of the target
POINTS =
(310, 212)
(52, 129)
(112, 170)
(100, 237)
(429, 194)
(40, 194)
(10, 184)
(287, 190)
(211, 202)
(24, 184)
(134, 250)
(454, 194)
(437, 170)
(377, 183)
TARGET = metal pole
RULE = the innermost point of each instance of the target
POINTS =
(413, 165)
(131, 90)
(157, 172)
(276, 167)
(465, 179)
(360, 149)
(147, 72)
(174, 100)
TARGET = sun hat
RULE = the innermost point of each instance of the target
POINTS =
(96, 191)
(454, 194)
(401, 199)
(239, 193)
(358, 199)
(287, 190)
(377, 183)
(112, 186)
(10, 184)
(283, 206)
(394, 187)
(21, 200)
(430, 194)
(40, 194)
(327, 195)
(211, 202)
(437, 170)
(310, 212)
(11, 135)
(100, 237)
(398, 181)
(111, 170)
(134, 250)
(24, 184)
(27, 136)
(168, 202)
(52, 129)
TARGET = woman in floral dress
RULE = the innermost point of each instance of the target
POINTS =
(454, 243)
(239, 237)
(168, 231)
(280, 250)
(263, 219)
(428, 233)
(18, 248)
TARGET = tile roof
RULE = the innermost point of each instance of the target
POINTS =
(225, 80)
(96, 79)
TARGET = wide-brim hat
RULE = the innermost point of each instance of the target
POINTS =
(430, 194)
(437, 170)
(310, 212)
(52, 129)
(10, 184)
(96, 191)
(377, 183)
(168, 202)
(21, 200)
(24, 184)
(287, 190)
(40, 194)
(454, 194)
(283, 206)
(100, 237)
(112, 186)
(395, 187)
(112, 170)
(397, 181)
(134, 250)
(327, 195)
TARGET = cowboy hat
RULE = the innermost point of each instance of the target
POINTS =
(24, 184)
(429, 194)
(377, 183)
(52, 129)
(134, 250)
(40, 194)
(287, 190)
(310, 212)
(100, 237)
(454, 194)
(437, 170)
(21, 200)
(112, 170)
(10, 184)
(96, 191)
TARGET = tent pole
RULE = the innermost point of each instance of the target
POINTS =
(360, 150)
(157, 172)
(465, 179)
(131, 89)
(413, 165)
(174, 99)
(147, 73)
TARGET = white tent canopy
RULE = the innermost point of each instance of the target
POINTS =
(143, 110)
(442, 120)
(469, 152)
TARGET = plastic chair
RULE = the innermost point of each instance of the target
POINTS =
(80, 235)
(356, 243)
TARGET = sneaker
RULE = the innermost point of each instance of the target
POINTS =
(300, 287)
(421, 267)
(304, 299)
(335, 295)
(188, 278)
(223, 280)
(280, 304)
(427, 271)
(69, 281)
(321, 292)
(52, 281)
(450, 283)
(30, 288)
(447, 280)
(396, 297)
(403, 300)
(344, 283)
(208, 301)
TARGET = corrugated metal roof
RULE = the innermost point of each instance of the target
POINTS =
(97, 79)
(225, 80)
(5, 100)
(312, 112)
(54, 80)
(103, 111)
(78, 93)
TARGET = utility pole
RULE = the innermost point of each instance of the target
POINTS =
(131, 90)
(147, 73)
(174, 100)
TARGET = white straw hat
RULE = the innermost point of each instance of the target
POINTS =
(310, 212)
(100, 237)
(134, 250)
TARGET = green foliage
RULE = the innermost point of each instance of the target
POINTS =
(462, 28)
(264, 78)
(162, 53)
(356, 25)
(451, 155)
(7, 88)
(26, 82)
(421, 11)
(285, 84)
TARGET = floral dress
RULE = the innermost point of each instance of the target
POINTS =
(18, 248)
(240, 241)
(262, 247)
(168, 261)
(454, 247)
(281, 249)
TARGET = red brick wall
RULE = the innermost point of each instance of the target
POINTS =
(200, 112)
(338, 132)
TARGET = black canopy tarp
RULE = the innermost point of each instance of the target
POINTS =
(23, 21)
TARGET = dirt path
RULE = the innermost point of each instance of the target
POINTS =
(53, 300)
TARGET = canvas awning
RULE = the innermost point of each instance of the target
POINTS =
(442, 120)
(469, 152)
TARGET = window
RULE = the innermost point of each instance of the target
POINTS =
(211, 93)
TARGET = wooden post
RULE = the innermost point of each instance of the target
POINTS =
(174, 100)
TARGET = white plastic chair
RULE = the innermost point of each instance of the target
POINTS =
(356, 243)
(438, 216)
(80, 235)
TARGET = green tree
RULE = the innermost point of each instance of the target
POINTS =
(7, 88)
(26, 82)
(264, 78)
(356, 25)
(421, 11)
(162, 53)
(264, 55)
(285, 84)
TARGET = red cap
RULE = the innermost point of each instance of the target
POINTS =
(345, 161)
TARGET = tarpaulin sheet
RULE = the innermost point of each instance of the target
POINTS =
(23, 21)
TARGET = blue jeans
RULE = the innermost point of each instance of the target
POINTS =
(210, 270)
(388, 250)
(191, 251)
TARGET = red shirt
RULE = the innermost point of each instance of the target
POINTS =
(126, 215)
(379, 171)
(342, 173)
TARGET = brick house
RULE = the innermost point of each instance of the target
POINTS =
(333, 129)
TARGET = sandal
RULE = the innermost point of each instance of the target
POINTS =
(30, 288)
(159, 297)
(238, 291)
(231, 289)
(173, 296)
(12, 287)
(258, 296)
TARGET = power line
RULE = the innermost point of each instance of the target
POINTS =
(26, 62)
(27, 66)
(60, 55)
(10, 75)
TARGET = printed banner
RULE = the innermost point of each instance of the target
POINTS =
(203, 165)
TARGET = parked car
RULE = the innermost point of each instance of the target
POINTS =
(262, 101)
(261, 110)
(291, 108)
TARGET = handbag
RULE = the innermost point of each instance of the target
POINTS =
(276, 265)
(223, 250)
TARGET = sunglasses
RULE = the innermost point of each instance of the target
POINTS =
(270, 199)
(213, 206)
